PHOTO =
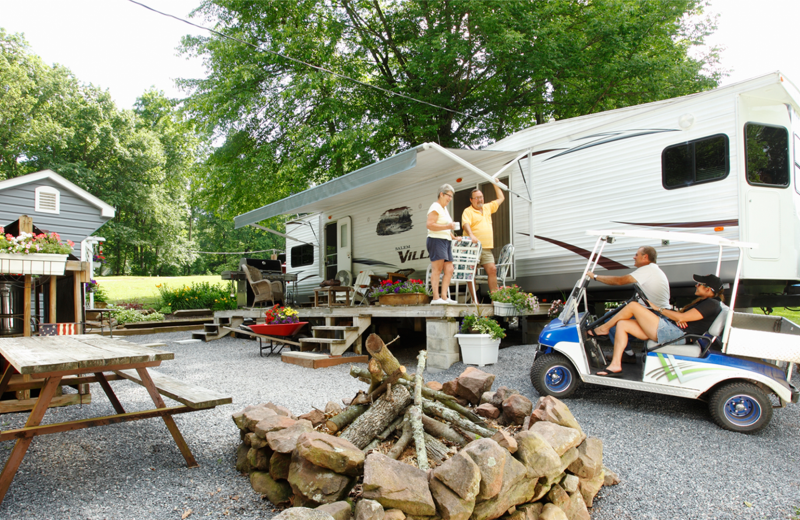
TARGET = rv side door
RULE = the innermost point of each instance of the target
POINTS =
(344, 244)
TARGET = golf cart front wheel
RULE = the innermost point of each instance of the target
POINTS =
(740, 407)
(554, 374)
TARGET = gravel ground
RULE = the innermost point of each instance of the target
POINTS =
(673, 461)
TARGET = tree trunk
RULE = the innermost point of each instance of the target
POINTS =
(442, 431)
(447, 400)
(435, 449)
(378, 417)
(377, 349)
(434, 408)
(419, 438)
(400, 446)
(348, 415)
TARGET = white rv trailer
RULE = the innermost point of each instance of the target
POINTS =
(719, 162)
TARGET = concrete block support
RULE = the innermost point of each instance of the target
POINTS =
(442, 345)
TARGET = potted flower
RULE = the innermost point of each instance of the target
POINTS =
(29, 253)
(513, 301)
(555, 309)
(408, 292)
(279, 321)
(480, 339)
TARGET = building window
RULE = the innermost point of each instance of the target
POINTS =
(695, 162)
(767, 155)
(302, 255)
(47, 200)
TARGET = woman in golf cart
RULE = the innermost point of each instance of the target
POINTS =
(665, 326)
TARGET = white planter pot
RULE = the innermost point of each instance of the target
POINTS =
(505, 309)
(478, 349)
(33, 264)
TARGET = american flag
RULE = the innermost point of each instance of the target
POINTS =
(58, 329)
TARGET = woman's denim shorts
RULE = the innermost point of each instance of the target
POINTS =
(439, 249)
(668, 331)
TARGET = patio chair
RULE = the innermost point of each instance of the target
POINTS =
(465, 263)
(504, 263)
(361, 288)
(264, 290)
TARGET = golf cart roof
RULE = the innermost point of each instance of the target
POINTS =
(676, 236)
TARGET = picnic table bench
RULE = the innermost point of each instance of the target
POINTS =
(54, 361)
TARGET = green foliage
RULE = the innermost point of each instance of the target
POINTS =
(29, 243)
(165, 310)
(100, 294)
(201, 295)
(134, 315)
(477, 324)
(513, 294)
(400, 287)
(501, 65)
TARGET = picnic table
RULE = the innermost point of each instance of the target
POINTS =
(68, 360)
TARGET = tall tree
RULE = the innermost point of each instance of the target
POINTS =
(486, 67)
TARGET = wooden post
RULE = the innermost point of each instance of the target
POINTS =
(26, 226)
(76, 277)
(51, 314)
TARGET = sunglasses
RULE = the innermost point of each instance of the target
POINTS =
(704, 285)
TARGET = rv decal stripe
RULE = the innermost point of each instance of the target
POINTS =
(605, 263)
(613, 138)
(369, 261)
(701, 224)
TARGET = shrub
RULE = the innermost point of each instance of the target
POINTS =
(202, 295)
(476, 324)
(513, 294)
(165, 310)
(133, 315)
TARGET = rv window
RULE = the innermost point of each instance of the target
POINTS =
(695, 162)
(767, 154)
(302, 255)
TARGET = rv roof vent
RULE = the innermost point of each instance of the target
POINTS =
(47, 200)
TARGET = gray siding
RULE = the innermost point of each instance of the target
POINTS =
(77, 219)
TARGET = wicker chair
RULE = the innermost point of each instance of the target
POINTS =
(264, 290)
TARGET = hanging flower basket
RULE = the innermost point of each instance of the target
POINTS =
(39, 263)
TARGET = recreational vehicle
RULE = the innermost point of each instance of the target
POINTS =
(722, 163)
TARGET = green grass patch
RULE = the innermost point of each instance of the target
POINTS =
(145, 289)
(793, 316)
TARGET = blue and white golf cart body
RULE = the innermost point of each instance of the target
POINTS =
(742, 360)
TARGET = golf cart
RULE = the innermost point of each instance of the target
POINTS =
(735, 366)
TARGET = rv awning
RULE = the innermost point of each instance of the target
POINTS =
(417, 165)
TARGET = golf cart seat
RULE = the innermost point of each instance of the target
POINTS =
(699, 345)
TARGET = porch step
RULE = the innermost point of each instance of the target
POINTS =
(346, 328)
(323, 341)
(314, 360)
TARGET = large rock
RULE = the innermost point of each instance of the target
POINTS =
(277, 491)
(338, 510)
(560, 438)
(506, 441)
(279, 465)
(250, 416)
(334, 453)
(590, 458)
(369, 510)
(611, 478)
(397, 485)
(550, 409)
(491, 459)
(487, 410)
(558, 496)
(501, 394)
(315, 417)
(589, 488)
(394, 514)
(285, 440)
(436, 386)
(242, 464)
(472, 383)
(450, 505)
(516, 408)
(333, 408)
(302, 513)
(536, 454)
(568, 458)
(280, 410)
(531, 511)
(575, 508)
(450, 388)
(461, 474)
(259, 458)
(319, 485)
(570, 483)
(551, 512)
(516, 489)
(272, 423)
(254, 441)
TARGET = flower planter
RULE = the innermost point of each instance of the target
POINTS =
(38, 263)
(505, 309)
(281, 329)
(404, 299)
(478, 349)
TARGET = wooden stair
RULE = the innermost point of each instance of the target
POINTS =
(344, 336)
(216, 330)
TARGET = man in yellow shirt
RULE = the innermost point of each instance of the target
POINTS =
(477, 223)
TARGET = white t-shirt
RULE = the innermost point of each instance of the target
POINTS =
(444, 218)
(654, 283)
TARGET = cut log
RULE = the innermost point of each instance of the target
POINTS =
(362, 374)
(439, 410)
(376, 373)
(348, 415)
(419, 438)
(443, 431)
(384, 434)
(448, 401)
(435, 450)
(377, 349)
(377, 417)
(387, 383)
(400, 446)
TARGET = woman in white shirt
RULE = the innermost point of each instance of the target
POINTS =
(439, 243)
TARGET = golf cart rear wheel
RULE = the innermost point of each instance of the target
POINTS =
(553, 374)
(740, 407)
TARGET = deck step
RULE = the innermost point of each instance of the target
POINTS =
(314, 360)
(211, 327)
(323, 341)
(346, 328)
(200, 335)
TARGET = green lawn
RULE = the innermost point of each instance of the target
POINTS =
(793, 316)
(144, 289)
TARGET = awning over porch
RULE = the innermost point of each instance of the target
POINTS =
(416, 165)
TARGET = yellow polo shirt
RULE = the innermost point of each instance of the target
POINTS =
(481, 222)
